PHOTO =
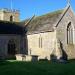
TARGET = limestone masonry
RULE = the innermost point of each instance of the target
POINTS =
(47, 37)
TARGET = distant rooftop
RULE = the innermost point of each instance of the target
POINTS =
(7, 27)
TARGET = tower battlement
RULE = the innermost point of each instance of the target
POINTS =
(9, 10)
(9, 15)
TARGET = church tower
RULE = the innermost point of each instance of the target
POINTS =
(9, 15)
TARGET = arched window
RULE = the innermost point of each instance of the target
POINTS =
(69, 34)
(11, 18)
(11, 47)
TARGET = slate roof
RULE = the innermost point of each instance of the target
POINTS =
(43, 23)
(38, 24)
(10, 28)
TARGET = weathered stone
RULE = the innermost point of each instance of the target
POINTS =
(41, 38)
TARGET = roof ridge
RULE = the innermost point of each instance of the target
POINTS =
(50, 13)
(62, 15)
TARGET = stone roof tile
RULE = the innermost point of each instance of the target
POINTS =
(43, 23)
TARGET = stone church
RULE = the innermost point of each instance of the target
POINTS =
(41, 37)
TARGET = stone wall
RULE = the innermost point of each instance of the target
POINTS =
(62, 30)
(41, 44)
(4, 39)
(5, 15)
(1, 15)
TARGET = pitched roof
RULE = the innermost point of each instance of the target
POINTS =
(10, 28)
(43, 23)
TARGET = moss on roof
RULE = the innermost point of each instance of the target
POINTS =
(44, 22)
(38, 24)
(51, 14)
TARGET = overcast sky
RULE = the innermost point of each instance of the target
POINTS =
(38, 7)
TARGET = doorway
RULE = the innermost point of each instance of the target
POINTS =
(11, 47)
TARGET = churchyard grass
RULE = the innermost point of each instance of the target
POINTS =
(36, 68)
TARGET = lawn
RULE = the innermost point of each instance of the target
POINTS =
(36, 68)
